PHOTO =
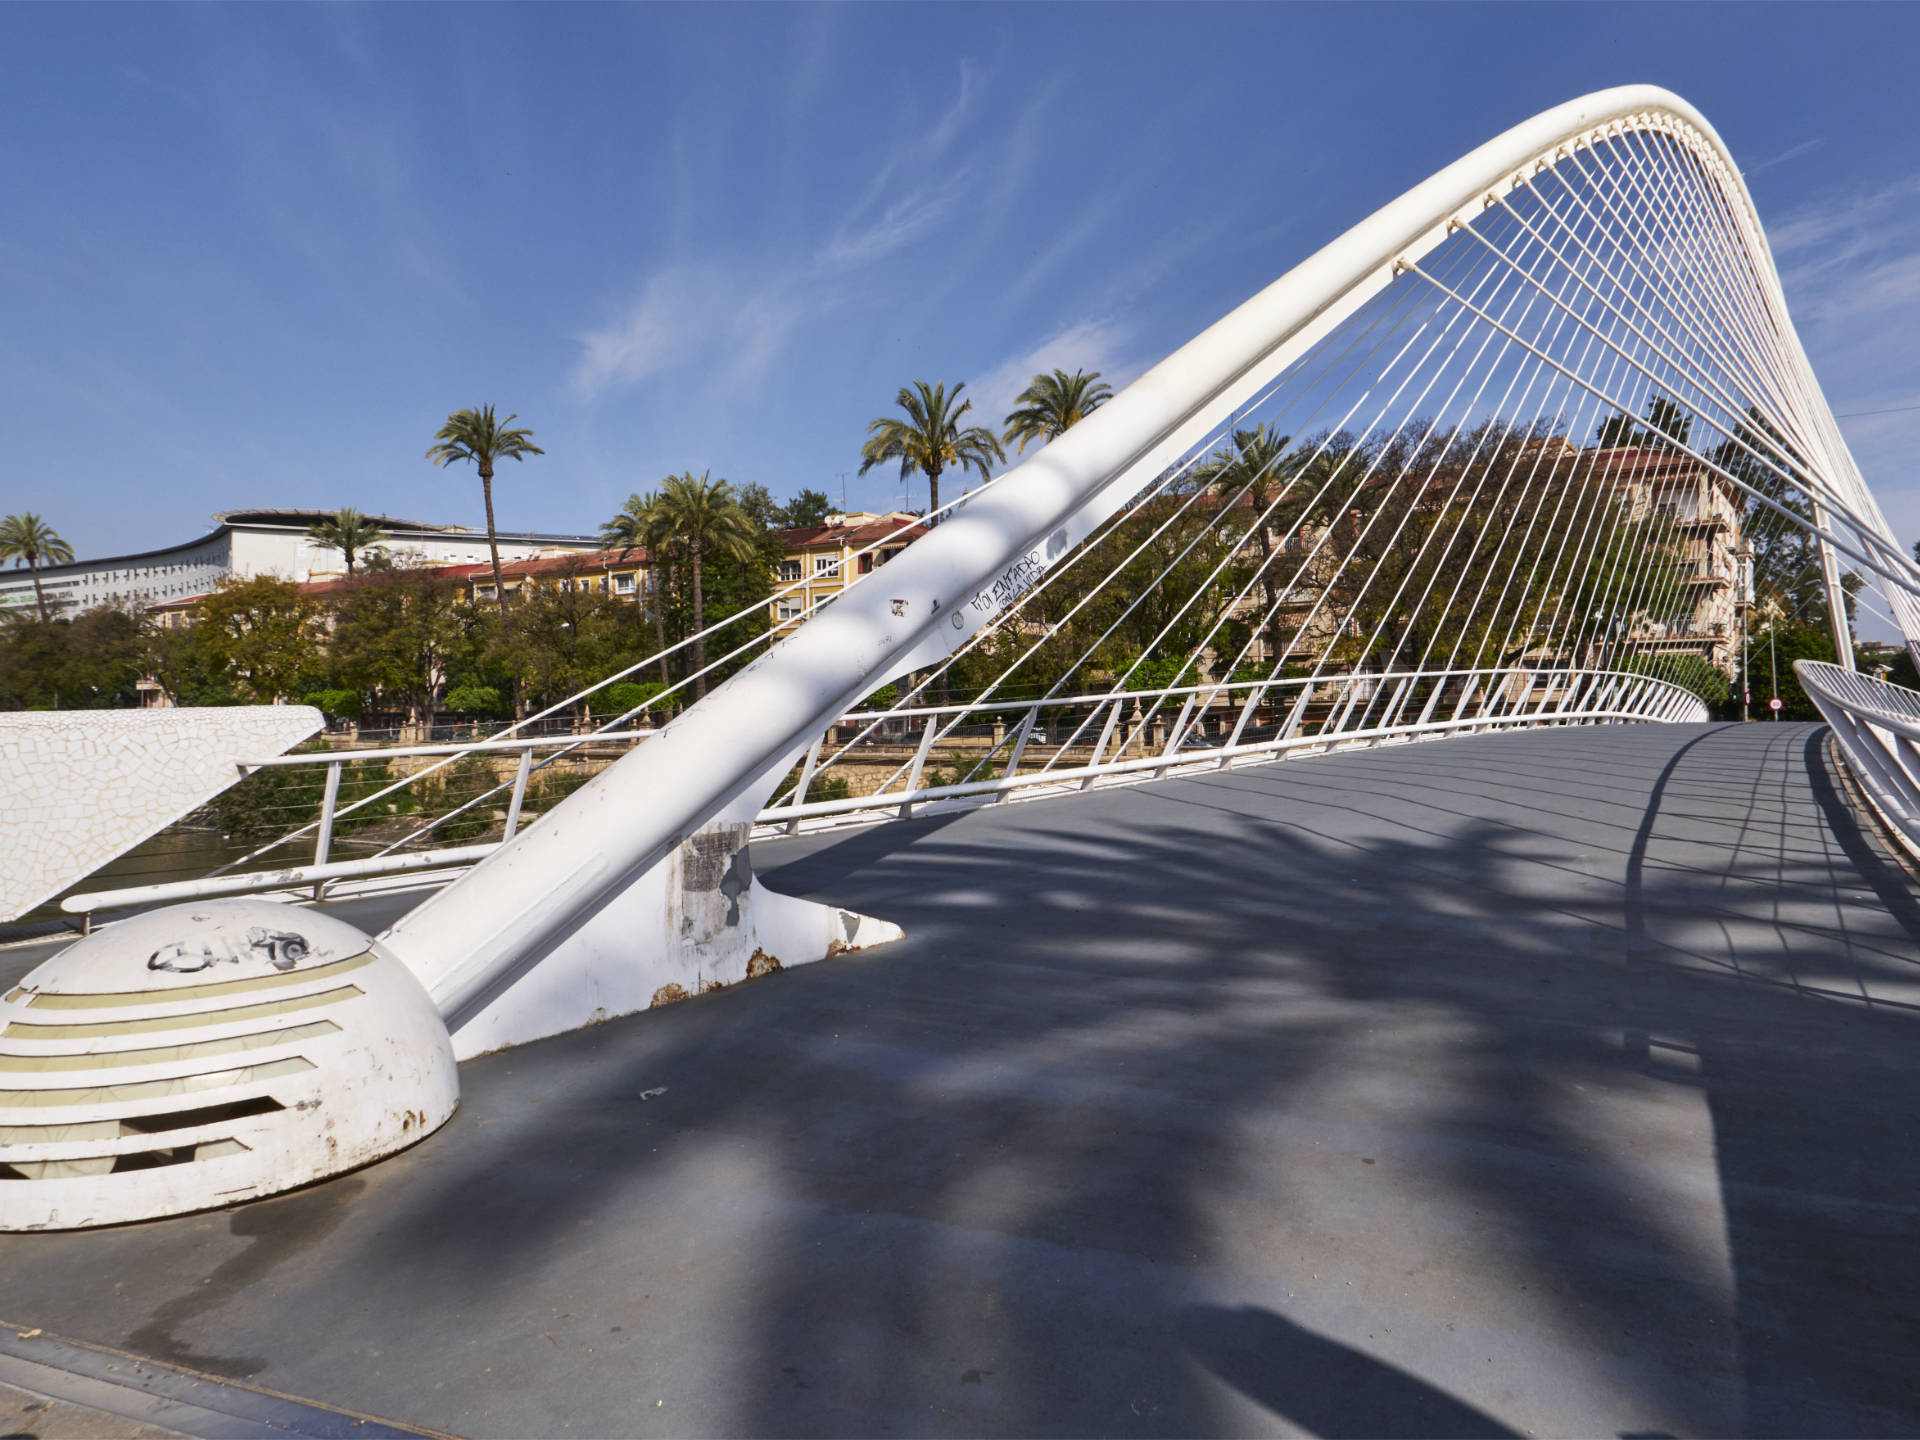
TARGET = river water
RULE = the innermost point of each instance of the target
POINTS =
(176, 853)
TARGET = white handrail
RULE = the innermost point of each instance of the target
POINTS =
(1654, 700)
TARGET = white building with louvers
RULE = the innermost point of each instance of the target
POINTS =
(249, 543)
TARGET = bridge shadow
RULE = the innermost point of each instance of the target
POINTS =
(1556, 1081)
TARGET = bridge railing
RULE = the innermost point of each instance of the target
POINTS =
(1118, 737)
(1878, 728)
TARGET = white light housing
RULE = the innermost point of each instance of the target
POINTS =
(207, 1054)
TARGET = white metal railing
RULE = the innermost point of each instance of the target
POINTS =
(1878, 727)
(1360, 709)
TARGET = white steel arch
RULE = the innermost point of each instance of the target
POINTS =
(718, 759)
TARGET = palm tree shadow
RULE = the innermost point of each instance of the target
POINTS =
(1320, 1385)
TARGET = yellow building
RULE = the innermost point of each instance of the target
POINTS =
(819, 561)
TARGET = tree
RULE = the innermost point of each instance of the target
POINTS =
(349, 532)
(92, 661)
(640, 524)
(397, 633)
(569, 635)
(702, 519)
(809, 507)
(762, 509)
(28, 540)
(1255, 461)
(931, 439)
(255, 640)
(475, 435)
(1667, 427)
(1054, 404)
(1786, 556)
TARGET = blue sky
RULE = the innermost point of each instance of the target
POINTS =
(254, 255)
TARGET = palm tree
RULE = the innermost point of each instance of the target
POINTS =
(349, 532)
(28, 540)
(702, 519)
(930, 439)
(640, 524)
(475, 435)
(1255, 461)
(1054, 404)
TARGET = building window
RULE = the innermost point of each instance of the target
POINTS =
(789, 570)
(483, 592)
(886, 555)
(623, 584)
(826, 564)
(790, 610)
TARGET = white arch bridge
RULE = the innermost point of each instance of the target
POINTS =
(1533, 449)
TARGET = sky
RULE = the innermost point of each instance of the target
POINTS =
(253, 255)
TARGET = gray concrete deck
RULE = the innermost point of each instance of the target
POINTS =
(1559, 1083)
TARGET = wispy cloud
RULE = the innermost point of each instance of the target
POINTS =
(900, 224)
(733, 319)
(1850, 266)
(689, 313)
(1791, 153)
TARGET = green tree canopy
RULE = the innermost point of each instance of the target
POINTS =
(1667, 427)
(809, 507)
(255, 641)
(398, 634)
(90, 661)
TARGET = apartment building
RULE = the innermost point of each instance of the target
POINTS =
(249, 543)
(819, 561)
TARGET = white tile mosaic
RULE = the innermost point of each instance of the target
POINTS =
(78, 787)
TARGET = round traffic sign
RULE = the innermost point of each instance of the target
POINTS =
(1775, 704)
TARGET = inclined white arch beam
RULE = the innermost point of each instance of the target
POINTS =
(720, 758)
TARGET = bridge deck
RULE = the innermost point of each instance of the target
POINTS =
(1558, 1082)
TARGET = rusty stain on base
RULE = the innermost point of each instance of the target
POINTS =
(760, 963)
(667, 995)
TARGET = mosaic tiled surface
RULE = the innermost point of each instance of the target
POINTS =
(78, 787)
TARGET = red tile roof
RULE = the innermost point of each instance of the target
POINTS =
(858, 535)
(589, 562)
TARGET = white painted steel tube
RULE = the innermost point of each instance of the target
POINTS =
(515, 906)
(254, 881)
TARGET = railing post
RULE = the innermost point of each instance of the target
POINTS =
(806, 779)
(1466, 694)
(1106, 734)
(1019, 749)
(1433, 700)
(1339, 721)
(1173, 740)
(1519, 707)
(1297, 715)
(1576, 682)
(919, 765)
(1254, 697)
(324, 841)
(1390, 716)
(520, 774)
